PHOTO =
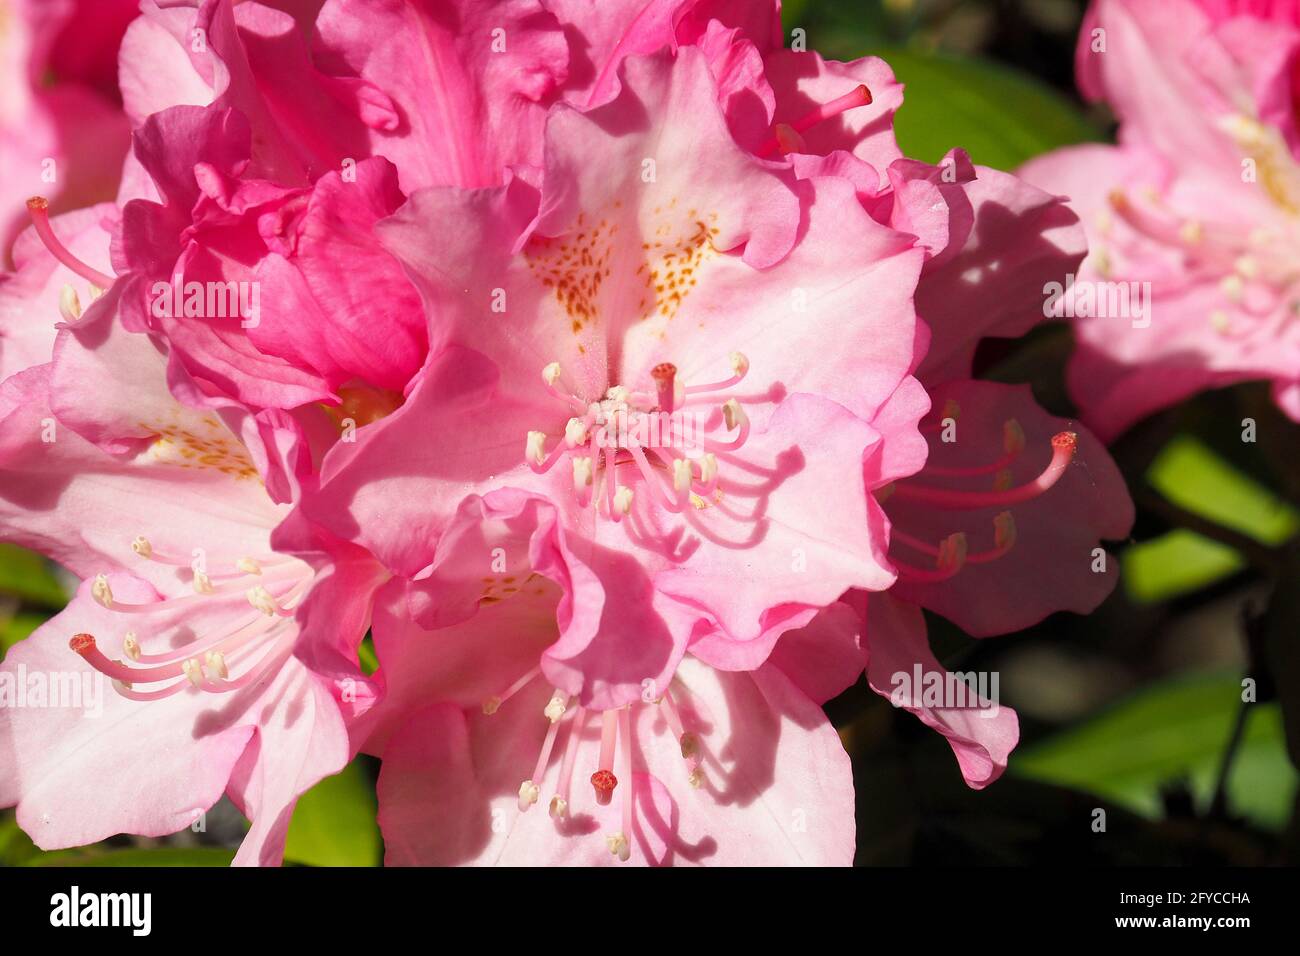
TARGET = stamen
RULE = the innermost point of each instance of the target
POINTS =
(529, 790)
(492, 704)
(620, 843)
(860, 96)
(38, 207)
(69, 304)
(1064, 445)
(1013, 443)
(560, 802)
(101, 591)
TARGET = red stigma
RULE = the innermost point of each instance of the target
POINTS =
(82, 643)
(604, 783)
(38, 204)
(662, 371)
(1065, 440)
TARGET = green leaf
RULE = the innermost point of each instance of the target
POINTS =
(1171, 731)
(26, 576)
(1195, 478)
(16, 627)
(1178, 562)
(136, 856)
(334, 823)
(1192, 476)
(1000, 116)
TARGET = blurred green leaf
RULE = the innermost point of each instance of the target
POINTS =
(26, 576)
(1192, 476)
(334, 823)
(1000, 116)
(1171, 731)
(15, 627)
(15, 846)
(1175, 563)
(136, 856)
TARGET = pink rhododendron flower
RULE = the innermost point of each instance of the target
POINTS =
(1199, 200)
(62, 137)
(485, 761)
(187, 606)
(624, 299)
(251, 172)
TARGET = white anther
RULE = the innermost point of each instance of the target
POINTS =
(262, 600)
(95, 292)
(1191, 231)
(559, 807)
(551, 374)
(69, 303)
(248, 566)
(696, 778)
(582, 473)
(100, 590)
(681, 474)
(575, 432)
(555, 706)
(528, 792)
(216, 662)
(141, 546)
(131, 646)
(739, 363)
(951, 409)
(202, 583)
(193, 671)
(708, 467)
(491, 705)
(1219, 319)
(1247, 267)
(618, 393)
(1232, 287)
(619, 846)
(1003, 480)
(535, 450)
(623, 499)
(733, 414)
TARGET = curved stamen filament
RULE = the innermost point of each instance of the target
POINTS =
(560, 802)
(1064, 445)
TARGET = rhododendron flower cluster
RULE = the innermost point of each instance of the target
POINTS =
(608, 363)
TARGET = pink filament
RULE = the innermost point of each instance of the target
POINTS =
(1064, 445)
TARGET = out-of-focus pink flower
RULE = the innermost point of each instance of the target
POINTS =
(61, 134)
(661, 271)
(1199, 200)
(184, 631)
